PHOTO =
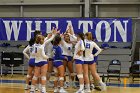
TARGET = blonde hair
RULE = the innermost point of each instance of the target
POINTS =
(89, 36)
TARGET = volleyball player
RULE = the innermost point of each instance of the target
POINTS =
(41, 64)
(78, 57)
(58, 65)
(31, 62)
(89, 62)
(49, 49)
(40, 61)
(67, 47)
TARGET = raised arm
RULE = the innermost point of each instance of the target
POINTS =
(43, 53)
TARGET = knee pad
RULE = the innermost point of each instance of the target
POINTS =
(35, 78)
(55, 79)
(28, 76)
(43, 78)
(80, 76)
(61, 78)
(72, 74)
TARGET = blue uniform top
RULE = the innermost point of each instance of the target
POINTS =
(57, 53)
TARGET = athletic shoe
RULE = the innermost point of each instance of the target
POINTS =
(80, 91)
(66, 85)
(27, 87)
(73, 85)
(62, 90)
(43, 92)
(87, 90)
(56, 90)
(32, 91)
(103, 87)
(50, 84)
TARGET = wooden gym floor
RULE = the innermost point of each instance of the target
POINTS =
(16, 85)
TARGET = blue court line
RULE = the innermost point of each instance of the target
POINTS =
(12, 81)
(122, 85)
(108, 84)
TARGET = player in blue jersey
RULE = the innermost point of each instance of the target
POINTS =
(58, 65)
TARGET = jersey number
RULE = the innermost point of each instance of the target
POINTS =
(33, 50)
(69, 48)
(88, 45)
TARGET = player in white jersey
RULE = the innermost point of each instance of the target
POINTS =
(67, 47)
(31, 58)
(41, 65)
(78, 57)
(89, 62)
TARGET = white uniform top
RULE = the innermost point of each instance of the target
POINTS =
(49, 49)
(89, 45)
(39, 53)
(79, 46)
(49, 46)
(30, 50)
(66, 48)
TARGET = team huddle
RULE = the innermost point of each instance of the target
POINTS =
(56, 52)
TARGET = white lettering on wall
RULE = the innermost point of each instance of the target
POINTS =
(121, 30)
(15, 27)
(49, 25)
(107, 29)
(85, 25)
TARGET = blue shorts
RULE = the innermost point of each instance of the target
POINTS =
(79, 61)
(95, 59)
(32, 62)
(57, 63)
(89, 62)
(69, 57)
(41, 63)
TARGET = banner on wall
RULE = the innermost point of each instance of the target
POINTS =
(103, 29)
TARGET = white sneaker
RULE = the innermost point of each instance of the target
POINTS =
(87, 90)
(103, 87)
(50, 84)
(43, 92)
(56, 90)
(62, 90)
(66, 85)
(32, 91)
(80, 91)
(73, 85)
(27, 87)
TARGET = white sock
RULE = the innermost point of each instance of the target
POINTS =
(87, 86)
(43, 88)
(26, 85)
(81, 86)
(61, 88)
(101, 82)
(32, 88)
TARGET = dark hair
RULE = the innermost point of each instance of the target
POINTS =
(37, 32)
(32, 41)
(56, 40)
(81, 35)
